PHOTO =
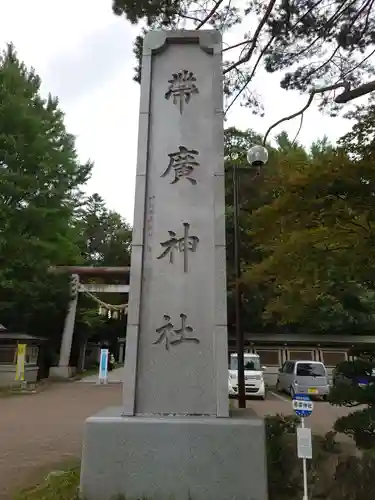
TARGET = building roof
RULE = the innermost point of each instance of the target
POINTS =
(5, 334)
(306, 339)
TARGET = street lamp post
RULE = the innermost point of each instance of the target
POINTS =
(256, 156)
(238, 297)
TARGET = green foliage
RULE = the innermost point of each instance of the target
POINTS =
(45, 220)
(40, 180)
(314, 43)
(354, 478)
(355, 387)
(313, 230)
(236, 144)
(328, 471)
(105, 240)
(295, 232)
(359, 425)
(60, 485)
(281, 460)
(105, 235)
(360, 141)
(150, 11)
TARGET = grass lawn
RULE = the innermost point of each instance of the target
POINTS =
(58, 485)
(61, 484)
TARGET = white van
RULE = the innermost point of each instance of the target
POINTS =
(254, 382)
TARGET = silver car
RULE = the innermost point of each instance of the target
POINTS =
(303, 377)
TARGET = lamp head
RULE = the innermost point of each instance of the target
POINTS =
(257, 156)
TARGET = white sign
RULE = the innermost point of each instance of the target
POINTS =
(302, 405)
(103, 367)
(304, 443)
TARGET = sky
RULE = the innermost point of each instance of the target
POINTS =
(84, 56)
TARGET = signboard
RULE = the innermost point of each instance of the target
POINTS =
(21, 358)
(103, 367)
(302, 405)
(304, 443)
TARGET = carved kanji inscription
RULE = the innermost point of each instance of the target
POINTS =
(184, 244)
(181, 87)
(182, 163)
(174, 336)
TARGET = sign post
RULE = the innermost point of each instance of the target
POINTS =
(20, 366)
(303, 407)
(103, 366)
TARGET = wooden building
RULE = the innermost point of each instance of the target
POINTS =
(274, 349)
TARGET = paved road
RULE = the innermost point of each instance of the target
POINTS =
(114, 377)
(39, 431)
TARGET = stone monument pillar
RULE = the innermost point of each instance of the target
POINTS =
(176, 359)
(173, 437)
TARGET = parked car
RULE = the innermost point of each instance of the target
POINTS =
(303, 377)
(254, 381)
(363, 379)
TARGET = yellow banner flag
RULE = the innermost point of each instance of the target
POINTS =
(21, 356)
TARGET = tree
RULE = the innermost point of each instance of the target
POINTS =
(251, 196)
(105, 240)
(314, 42)
(257, 190)
(40, 187)
(359, 143)
(314, 235)
(106, 236)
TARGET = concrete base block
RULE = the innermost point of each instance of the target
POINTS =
(62, 371)
(176, 458)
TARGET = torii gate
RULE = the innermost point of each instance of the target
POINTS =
(63, 370)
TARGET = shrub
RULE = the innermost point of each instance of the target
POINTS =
(284, 477)
(332, 474)
(354, 478)
(356, 387)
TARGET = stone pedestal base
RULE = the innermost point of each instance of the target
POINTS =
(62, 371)
(179, 458)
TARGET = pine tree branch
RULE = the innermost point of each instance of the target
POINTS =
(312, 95)
(349, 95)
(236, 45)
(191, 18)
(358, 65)
(298, 131)
(316, 70)
(262, 53)
(330, 23)
(210, 14)
(248, 80)
(254, 41)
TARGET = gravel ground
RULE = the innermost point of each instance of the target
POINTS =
(39, 431)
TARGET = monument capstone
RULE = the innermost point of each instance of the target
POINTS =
(173, 436)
